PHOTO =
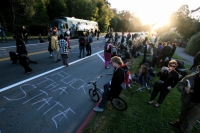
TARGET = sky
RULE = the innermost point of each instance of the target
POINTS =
(153, 11)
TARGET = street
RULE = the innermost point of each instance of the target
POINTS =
(52, 98)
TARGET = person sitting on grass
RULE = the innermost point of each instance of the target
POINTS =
(142, 76)
(40, 38)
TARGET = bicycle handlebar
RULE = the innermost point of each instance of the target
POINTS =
(95, 79)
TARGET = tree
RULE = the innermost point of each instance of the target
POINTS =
(182, 23)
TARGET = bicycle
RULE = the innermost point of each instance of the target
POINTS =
(117, 102)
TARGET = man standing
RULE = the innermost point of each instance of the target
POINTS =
(63, 50)
(190, 110)
(55, 47)
(166, 50)
(82, 45)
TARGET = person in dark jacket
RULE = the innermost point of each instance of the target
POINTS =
(114, 87)
(22, 52)
(190, 109)
(168, 80)
(166, 50)
(172, 51)
(196, 61)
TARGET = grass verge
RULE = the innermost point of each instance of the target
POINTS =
(175, 56)
(139, 117)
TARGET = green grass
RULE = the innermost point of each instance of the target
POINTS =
(139, 117)
(175, 56)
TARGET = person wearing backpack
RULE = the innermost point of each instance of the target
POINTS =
(113, 88)
(127, 75)
(82, 43)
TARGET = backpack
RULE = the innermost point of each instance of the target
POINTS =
(127, 78)
(90, 39)
(82, 41)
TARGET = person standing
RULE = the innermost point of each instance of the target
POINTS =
(196, 61)
(55, 47)
(22, 52)
(2, 34)
(49, 39)
(166, 50)
(67, 37)
(122, 39)
(25, 34)
(82, 43)
(116, 37)
(89, 40)
(113, 88)
(107, 53)
(168, 80)
(98, 33)
(189, 86)
(149, 54)
(172, 51)
(63, 50)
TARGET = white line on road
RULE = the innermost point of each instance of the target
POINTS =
(42, 74)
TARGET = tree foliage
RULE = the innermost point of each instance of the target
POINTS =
(15, 13)
(193, 45)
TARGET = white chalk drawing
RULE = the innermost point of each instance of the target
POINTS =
(42, 92)
(61, 74)
(2, 109)
(62, 90)
(68, 81)
(56, 103)
(21, 87)
(50, 84)
(62, 115)
(46, 101)
(84, 84)
(46, 80)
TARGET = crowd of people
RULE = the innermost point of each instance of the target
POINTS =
(116, 53)
(160, 56)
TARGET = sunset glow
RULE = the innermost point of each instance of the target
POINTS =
(152, 12)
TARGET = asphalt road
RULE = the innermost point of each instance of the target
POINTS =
(53, 98)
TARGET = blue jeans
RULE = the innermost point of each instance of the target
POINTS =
(82, 49)
(106, 96)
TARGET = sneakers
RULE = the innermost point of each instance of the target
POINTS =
(97, 109)
(107, 67)
(151, 102)
(157, 105)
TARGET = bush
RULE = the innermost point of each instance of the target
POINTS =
(193, 45)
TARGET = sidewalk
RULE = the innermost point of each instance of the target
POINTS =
(188, 58)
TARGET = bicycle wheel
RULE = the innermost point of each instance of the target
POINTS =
(119, 104)
(94, 95)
